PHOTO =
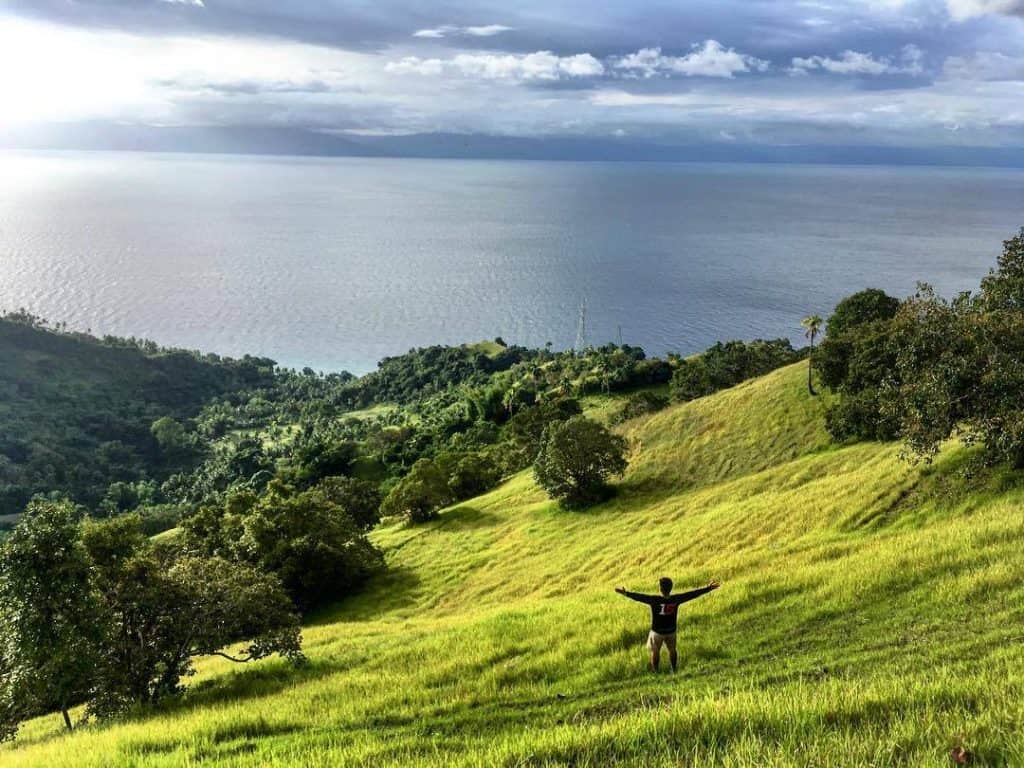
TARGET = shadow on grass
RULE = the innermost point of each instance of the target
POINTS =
(956, 482)
(237, 738)
(465, 518)
(394, 588)
(626, 640)
(253, 682)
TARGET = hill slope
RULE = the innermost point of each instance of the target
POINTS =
(76, 411)
(869, 615)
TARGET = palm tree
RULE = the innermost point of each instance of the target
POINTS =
(813, 325)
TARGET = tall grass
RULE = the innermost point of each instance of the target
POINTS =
(870, 614)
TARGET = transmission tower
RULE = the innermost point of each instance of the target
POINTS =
(581, 329)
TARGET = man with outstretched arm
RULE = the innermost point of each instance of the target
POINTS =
(664, 608)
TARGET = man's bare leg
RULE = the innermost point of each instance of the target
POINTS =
(655, 658)
(672, 658)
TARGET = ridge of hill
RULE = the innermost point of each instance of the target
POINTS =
(869, 614)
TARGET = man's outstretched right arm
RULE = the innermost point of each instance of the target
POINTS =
(639, 597)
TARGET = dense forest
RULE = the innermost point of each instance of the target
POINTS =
(118, 425)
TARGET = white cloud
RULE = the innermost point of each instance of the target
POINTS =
(434, 32)
(966, 9)
(541, 65)
(125, 77)
(196, 3)
(488, 30)
(445, 30)
(708, 59)
(413, 65)
(856, 63)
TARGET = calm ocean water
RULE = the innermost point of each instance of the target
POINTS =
(335, 263)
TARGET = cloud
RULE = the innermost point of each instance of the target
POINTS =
(574, 67)
(414, 65)
(245, 87)
(488, 30)
(984, 65)
(195, 3)
(447, 30)
(707, 59)
(910, 62)
(434, 32)
(541, 65)
(961, 10)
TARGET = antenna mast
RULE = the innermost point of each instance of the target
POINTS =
(581, 330)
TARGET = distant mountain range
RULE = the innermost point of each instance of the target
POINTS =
(262, 140)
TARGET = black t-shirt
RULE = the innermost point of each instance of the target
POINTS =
(664, 609)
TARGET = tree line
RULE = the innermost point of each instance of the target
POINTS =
(925, 369)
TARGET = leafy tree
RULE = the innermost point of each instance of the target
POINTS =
(321, 454)
(157, 518)
(691, 380)
(867, 306)
(50, 615)
(576, 460)
(420, 495)
(360, 499)
(170, 434)
(525, 430)
(812, 325)
(214, 530)
(939, 368)
(857, 360)
(164, 611)
(959, 366)
(468, 474)
(317, 550)
(126, 496)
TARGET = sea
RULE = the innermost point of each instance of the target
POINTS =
(335, 263)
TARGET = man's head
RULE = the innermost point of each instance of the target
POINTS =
(666, 585)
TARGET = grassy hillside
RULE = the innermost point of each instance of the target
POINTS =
(870, 614)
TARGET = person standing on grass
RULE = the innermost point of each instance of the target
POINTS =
(664, 608)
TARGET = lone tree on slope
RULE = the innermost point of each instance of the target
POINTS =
(576, 459)
(812, 325)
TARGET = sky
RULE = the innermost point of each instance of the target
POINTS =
(902, 73)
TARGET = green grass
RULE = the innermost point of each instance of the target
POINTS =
(489, 348)
(870, 615)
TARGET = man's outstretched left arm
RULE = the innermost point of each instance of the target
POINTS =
(693, 594)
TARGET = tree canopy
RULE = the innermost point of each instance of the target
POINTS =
(576, 459)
